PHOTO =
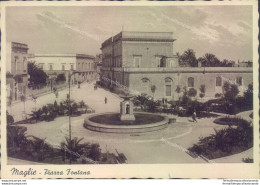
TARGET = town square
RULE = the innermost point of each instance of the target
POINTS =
(142, 92)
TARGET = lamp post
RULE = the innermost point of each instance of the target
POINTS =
(70, 75)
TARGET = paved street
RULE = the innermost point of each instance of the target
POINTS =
(164, 146)
(94, 99)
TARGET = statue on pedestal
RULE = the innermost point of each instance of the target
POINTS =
(126, 109)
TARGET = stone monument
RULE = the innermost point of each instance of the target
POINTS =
(126, 109)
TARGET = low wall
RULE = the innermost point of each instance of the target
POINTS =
(125, 129)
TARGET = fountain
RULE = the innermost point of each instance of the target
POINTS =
(126, 121)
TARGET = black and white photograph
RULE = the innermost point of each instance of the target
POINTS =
(129, 85)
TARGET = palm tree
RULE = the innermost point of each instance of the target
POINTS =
(188, 58)
(23, 99)
(210, 60)
(45, 110)
(41, 148)
(82, 104)
(72, 148)
(36, 114)
(15, 135)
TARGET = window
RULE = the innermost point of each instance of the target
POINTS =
(24, 64)
(168, 90)
(50, 66)
(16, 63)
(168, 86)
(137, 61)
(168, 80)
(218, 81)
(190, 82)
(163, 61)
(239, 81)
(145, 81)
(41, 65)
(63, 67)
(158, 61)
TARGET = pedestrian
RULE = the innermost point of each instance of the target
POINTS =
(163, 100)
(105, 100)
(194, 116)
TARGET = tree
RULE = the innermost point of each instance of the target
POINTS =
(188, 59)
(61, 78)
(45, 110)
(248, 95)
(37, 75)
(178, 90)
(230, 91)
(23, 99)
(153, 89)
(209, 60)
(202, 91)
(37, 114)
(72, 148)
(9, 118)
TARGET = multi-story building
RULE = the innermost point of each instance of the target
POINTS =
(143, 62)
(16, 70)
(98, 62)
(55, 64)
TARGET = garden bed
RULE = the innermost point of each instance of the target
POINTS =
(225, 142)
(230, 121)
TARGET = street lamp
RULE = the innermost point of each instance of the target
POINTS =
(70, 75)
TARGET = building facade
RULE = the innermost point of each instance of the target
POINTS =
(55, 64)
(16, 70)
(143, 62)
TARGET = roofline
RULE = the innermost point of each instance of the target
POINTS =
(63, 55)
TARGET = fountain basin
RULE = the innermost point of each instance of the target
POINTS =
(111, 123)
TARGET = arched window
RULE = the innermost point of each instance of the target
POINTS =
(218, 81)
(168, 80)
(168, 87)
(190, 82)
(145, 81)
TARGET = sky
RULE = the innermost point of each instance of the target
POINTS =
(225, 31)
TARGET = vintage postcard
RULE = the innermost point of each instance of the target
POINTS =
(129, 90)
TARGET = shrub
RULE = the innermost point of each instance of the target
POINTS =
(192, 92)
(203, 89)
(218, 95)
(225, 142)
(9, 118)
(95, 152)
